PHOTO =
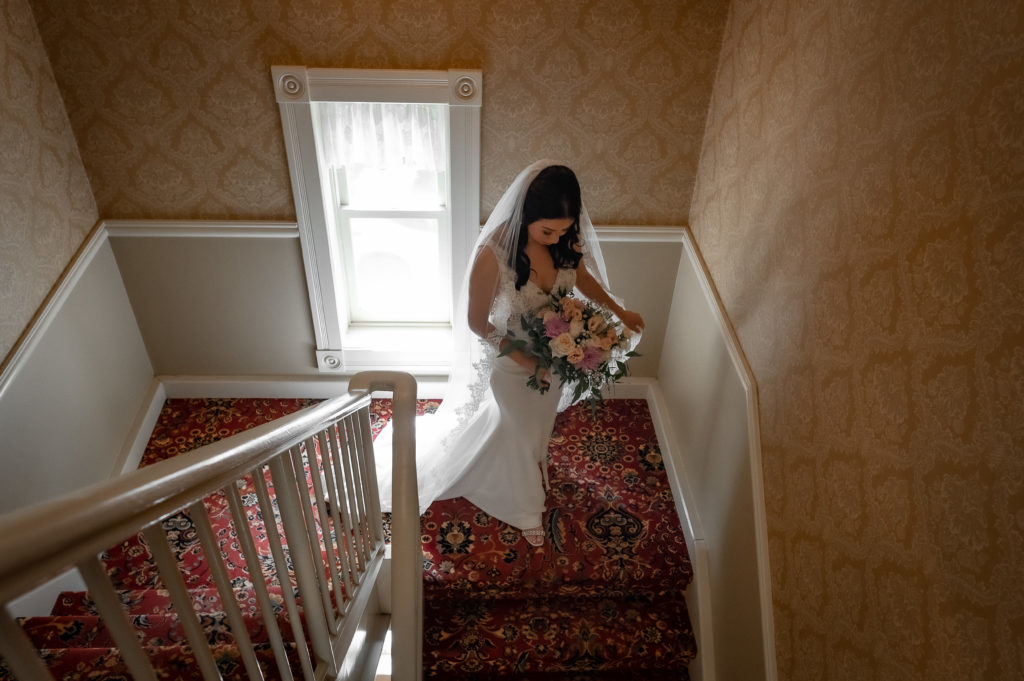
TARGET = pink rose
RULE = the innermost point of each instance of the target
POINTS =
(571, 308)
(555, 326)
(592, 358)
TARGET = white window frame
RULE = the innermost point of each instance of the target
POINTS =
(340, 348)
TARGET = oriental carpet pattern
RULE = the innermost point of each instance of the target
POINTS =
(603, 598)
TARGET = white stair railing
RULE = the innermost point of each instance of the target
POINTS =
(311, 475)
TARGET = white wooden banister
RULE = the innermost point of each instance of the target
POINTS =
(320, 466)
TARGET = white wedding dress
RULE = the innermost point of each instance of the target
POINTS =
(510, 434)
(501, 450)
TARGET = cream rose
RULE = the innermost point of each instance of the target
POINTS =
(575, 355)
(562, 345)
(575, 328)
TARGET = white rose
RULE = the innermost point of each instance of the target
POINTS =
(562, 345)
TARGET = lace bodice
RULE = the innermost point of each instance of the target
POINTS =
(531, 297)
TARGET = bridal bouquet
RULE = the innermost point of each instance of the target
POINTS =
(579, 342)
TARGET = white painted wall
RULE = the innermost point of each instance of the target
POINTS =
(219, 305)
(68, 402)
(642, 273)
(237, 306)
(707, 398)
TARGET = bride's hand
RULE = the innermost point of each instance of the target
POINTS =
(543, 375)
(632, 320)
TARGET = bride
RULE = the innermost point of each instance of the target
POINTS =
(488, 440)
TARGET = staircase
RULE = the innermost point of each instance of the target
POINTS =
(602, 599)
(234, 567)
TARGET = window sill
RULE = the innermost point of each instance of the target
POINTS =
(416, 349)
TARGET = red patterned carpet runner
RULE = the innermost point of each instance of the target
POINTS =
(602, 599)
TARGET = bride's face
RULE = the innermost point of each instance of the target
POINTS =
(547, 232)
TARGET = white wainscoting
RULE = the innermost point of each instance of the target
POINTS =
(71, 388)
(706, 403)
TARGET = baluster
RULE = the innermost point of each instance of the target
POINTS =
(309, 523)
(360, 500)
(325, 523)
(16, 647)
(341, 509)
(355, 537)
(222, 580)
(288, 500)
(107, 602)
(167, 566)
(258, 579)
(372, 491)
(283, 578)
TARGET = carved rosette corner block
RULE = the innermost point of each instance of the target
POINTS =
(290, 84)
(465, 88)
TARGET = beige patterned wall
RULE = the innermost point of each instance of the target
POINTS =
(859, 202)
(175, 114)
(46, 205)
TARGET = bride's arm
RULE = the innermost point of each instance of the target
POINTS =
(483, 288)
(591, 288)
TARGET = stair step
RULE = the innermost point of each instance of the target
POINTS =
(616, 675)
(593, 547)
(158, 601)
(89, 631)
(564, 635)
(170, 662)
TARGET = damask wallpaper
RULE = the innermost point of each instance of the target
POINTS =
(46, 204)
(859, 201)
(175, 114)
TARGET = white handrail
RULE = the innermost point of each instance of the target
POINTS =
(320, 464)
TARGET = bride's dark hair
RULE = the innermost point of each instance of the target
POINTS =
(554, 194)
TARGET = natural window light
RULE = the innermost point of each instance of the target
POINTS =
(385, 174)
(389, 166)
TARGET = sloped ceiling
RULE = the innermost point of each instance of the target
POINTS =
(173, 109)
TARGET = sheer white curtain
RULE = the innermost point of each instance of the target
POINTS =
(390, 153)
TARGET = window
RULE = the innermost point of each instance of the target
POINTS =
(385, 174)
(388, 163)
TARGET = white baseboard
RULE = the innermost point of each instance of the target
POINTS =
(279, 386)
(698, 595)
(39, 601)
(428, 387)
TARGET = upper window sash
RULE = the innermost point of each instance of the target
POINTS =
(296, 87)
